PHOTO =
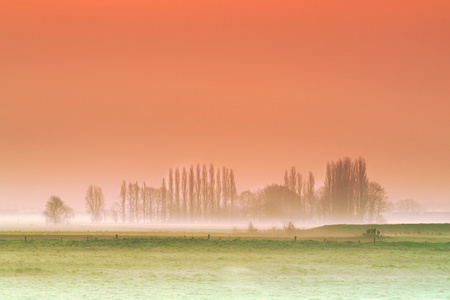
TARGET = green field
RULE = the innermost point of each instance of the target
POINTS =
(409, 262)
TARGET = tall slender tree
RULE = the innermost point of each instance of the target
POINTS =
(310, 195)
(136, 199)
(122, 206)
(184, 190)
(204, 202)
(233, 194)
(361, 187)
(144, 202)
(177, 194)
(131, 203)
(301, 206)
(191, 193)
(198, 192)
(218, 194)
(286, 179)
(211, 197)
(225, 192)
(170, 204)
(163, 201)
(292, 180)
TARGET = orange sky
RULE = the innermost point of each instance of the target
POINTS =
(93, 92)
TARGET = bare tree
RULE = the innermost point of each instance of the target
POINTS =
(144, 202)
(163, 201)
(233, 194)
(170, 194)
(131, 202)
(204, 202)
(211, 196)
(191, 193)
(137, 201)
(361, 187)
(95, 203)
(310, 195)
(377, 201)
(286, 179)
(57, 212)
(225, 192)
(184, 193)
(301, 206)
(123, 201)
(292, 180)
(198, 192)
(177, 194)
(218, 194)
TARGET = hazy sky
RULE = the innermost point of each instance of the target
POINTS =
(94, 92)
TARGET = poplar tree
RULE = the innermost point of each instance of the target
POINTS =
(198, 192)
(177, 194)
(122, 206)
(170, 208)
(163, 201)
(204, 203)
(191, 193)
(211, 196)
(218, 194)
(184, 192)
(233, 194)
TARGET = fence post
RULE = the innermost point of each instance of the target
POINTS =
(25, 239)
(295, 238)
(209, 236)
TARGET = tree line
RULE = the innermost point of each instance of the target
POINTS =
(203, 194)
(197, 194)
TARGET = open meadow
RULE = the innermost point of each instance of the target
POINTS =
(328, 262)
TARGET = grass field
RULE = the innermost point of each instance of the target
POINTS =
(410, 262)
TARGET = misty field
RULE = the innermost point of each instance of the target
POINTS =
(82, 266)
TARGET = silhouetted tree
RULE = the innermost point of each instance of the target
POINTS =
(191, 193)
(131, 202)
(136, 205)
(233, 193)
(279, 202)
(144, 202)
(122, 206)
(286, 179)
(177, 194)
(163, 201)
(300, 206)
(292, 180)
(198, 192)
(204, 197)
(377, 201)
(56, 211)
(95, 203)
(184, 193)
(218, 194)
(361, 187)
(310, 195)
(225, 192)
(170, 194)
(211, 193)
